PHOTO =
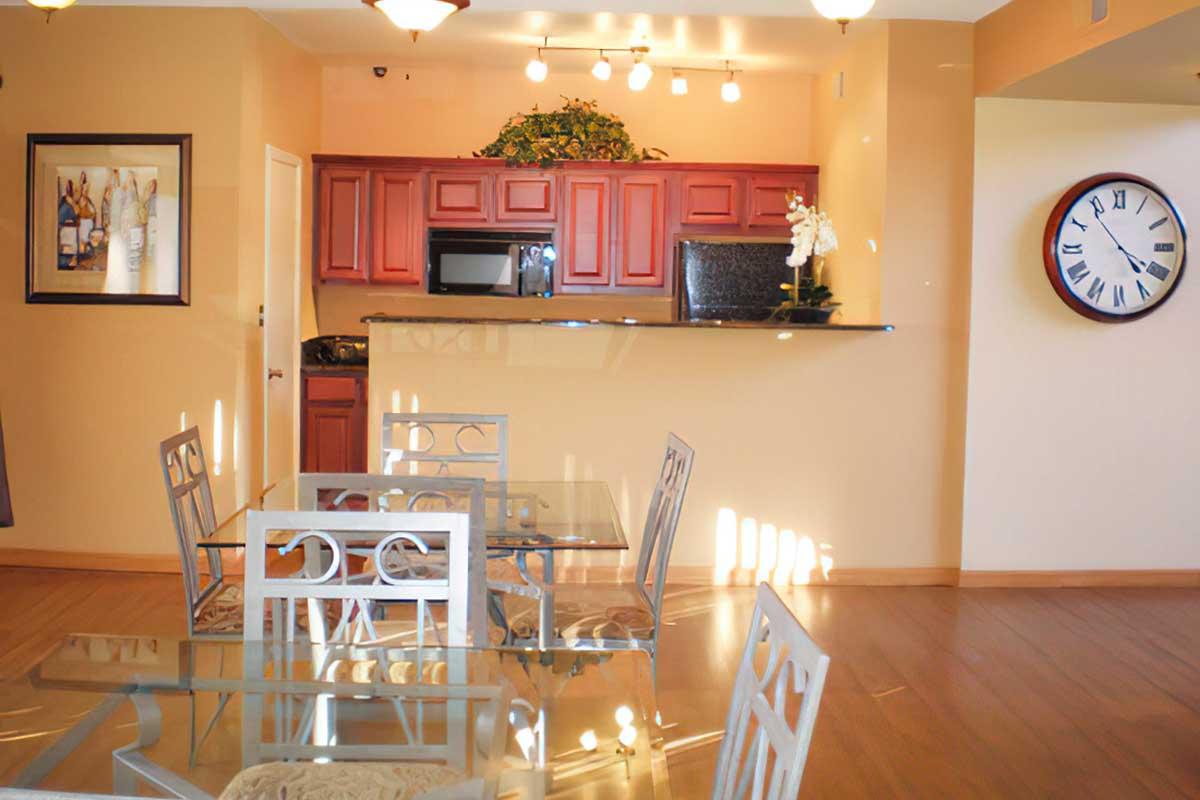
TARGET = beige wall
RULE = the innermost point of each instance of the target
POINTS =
(1024, 37)
(1081, 445)
(87, 392)
(850, 439)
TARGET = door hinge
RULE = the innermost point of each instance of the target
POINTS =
(261, 317)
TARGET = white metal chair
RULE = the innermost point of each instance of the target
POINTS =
(450, 444)
(623, 616)
(311, 733)
(758, 724)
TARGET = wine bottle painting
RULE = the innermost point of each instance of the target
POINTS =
(107, 218)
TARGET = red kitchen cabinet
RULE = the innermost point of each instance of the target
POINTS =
(586, 242)
(712, 200)
(642, 222)
(334, 437)
(768, 198)
(397, 228)
(342, 226)
(459, 197)
(526, 197)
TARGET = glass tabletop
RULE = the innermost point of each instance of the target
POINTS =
(519, 515)
(313, 703)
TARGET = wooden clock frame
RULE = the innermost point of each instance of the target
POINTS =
(1053, 234)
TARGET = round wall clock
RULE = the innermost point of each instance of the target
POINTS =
(1115, 247)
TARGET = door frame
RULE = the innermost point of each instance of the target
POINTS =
(292, 370)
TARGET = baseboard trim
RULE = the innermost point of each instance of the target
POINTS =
(1078, 579)
(107, 562)
(707, 576)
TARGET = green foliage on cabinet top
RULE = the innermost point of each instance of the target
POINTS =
(578, 131)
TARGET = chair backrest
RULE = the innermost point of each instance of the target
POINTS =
(319, 491)
(337, 530)
(185, 473)
(662, 519)
(455, 445)
(794, 666)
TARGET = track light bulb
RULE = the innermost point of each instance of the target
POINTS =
(602, 69)
(536, 70)
(640, 75)
(730, 91)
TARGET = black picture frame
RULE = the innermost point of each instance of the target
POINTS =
(183, 141)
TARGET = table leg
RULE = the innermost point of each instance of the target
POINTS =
(52, 756)
(546, 601)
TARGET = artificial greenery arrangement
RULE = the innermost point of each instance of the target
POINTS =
(808, 300)
(575, 132)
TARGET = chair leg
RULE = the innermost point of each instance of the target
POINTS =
(222, 701)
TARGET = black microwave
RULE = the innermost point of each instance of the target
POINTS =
(505, 263)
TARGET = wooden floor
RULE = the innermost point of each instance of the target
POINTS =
(932, 693)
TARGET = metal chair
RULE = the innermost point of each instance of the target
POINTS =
(632, 613)
(444, 442)
(794, 665)
(311, 733)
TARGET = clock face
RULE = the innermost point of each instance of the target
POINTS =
(1115, 248)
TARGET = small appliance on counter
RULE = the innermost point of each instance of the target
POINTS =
(732, 280)
(335, 351)
(504, 263)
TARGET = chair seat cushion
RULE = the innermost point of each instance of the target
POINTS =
(298, 781)
(223, 612)
(586, 611)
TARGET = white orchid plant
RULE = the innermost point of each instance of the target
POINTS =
(812, 237)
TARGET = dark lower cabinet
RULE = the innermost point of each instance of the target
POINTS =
(334, 437)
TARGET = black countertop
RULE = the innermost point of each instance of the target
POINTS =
(628, 323)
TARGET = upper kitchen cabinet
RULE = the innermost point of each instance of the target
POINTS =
(641, 230)
(342, 225)
(768, 198)
(712, 199)
(397, 246)
(586, 243)
(526, 196)
(459, 197)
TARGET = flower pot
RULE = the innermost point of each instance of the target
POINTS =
(809, 316)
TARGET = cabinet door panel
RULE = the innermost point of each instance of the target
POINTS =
(768, 198)
(330, 436)
(396, 228)
(587, 235)
(334, 438)
(343, 225)
(642, 219)
(711, 200)
(526, 197)
(459, 197)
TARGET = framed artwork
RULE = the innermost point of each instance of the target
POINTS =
(108, 218)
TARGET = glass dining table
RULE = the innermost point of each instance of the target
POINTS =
(514, 722)
(543, 518)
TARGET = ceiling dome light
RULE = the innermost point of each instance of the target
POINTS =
(730, 91)
(536, 70)
(843, 11)
(678, 84)
(50, 6)
(640, 75)
(602, 69)
(417, 16)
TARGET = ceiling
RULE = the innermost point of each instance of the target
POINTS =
(760, 35)
(1156, 65)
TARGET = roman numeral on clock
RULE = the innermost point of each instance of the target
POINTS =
(1118, 199)
(1158, 270)
(1078, 272)
(1079, 224)
(1072, 249)
(1158, 224)
(1118, 296)
(1164, 247)
(1096, 290)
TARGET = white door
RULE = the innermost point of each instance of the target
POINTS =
(281, 318)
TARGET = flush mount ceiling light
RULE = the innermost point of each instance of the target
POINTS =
(602, 69)
(843, 11)
(50, 6)
(417, 16)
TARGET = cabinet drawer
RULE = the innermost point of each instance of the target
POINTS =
(526, 197)
(454, 196)
(327, 389)
(768, 198)
(711, 200)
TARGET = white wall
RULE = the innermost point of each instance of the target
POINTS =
(1082, 445)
